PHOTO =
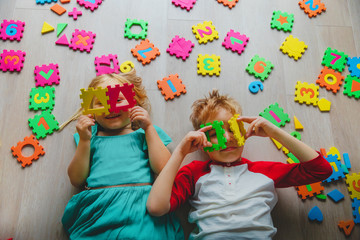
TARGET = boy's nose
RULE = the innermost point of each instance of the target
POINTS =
(228, 135)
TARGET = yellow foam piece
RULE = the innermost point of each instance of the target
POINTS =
(47, 28)
(277, 144)
(88, 95)
(209, 64)
(238, 130)
(324, 105)
(293, 47)
(334, 151)
(285, 150)
(297, 123)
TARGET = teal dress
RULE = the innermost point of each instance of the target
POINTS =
(119, 212)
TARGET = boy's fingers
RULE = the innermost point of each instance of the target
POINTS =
(246, 119)
(206, 128)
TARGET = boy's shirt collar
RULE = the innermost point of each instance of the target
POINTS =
(231, 164)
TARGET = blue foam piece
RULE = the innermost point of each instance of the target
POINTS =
(336, 195)
(347, 160)
(316, 214)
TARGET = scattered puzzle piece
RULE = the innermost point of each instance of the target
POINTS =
(275, 115)
(62, 41)
(347, 160)
(324, 105)
(113, 93)
(282, 21)
(47, 75)
(42, 98)
(88, 95)
(353, 182)
(27, 160)
(338, 172)
(321, 197)
(82, 40)
(75, 13)
(59, 10)
(352, 87)
(334, 59)
(92, 4)
(336, 79)
(297, 124)
(208, 64)
(336, 195)
(229, 3)
(221, 140)
(126, 66)
(235, 41)
(12, 30)
(46, 28)
(171, 86)
(312, 7)
(60, 28)
(346, 226)
(334, 151)
(354, 66)
(187, 4)
(293, 47)
(43, 124)
(315, 214)
(12, 61)
(255, 87)
(205, 32)
(64, 1)
(103, 64)
(143, 25)
(145, 47)
(259, 67)
(356, 211)
(310, 190)
(306, 93)
(238, 130)
(277, 144)
(42, 2)
(180, 47)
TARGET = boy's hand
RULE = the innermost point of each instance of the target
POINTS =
(83, 126)
(141, 116)
(194, 140)
(259, 126)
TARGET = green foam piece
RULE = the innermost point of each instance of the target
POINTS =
(282, 21)
(275, 115)
(60, 28)
(321, 196)
(219, 130)
(334, 59)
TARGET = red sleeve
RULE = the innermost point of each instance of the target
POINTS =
(184, 183)
(296, 174)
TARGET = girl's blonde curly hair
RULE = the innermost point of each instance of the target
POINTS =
(129, 77)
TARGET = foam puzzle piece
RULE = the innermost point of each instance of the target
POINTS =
(275, 115)
(296, 135)
(330, 79)
(42, 2)
(147, 47)
(315, 214)
(238, 130)
(12, 30)
(321, 197)
(184, 4)
(126, 66)
(312, 7)
(127, 90)
(228, 3)
(12, 61)
(43, 124)
(88, 95)
(292, 158)
(46, 28)
(310, 190)
(42, 98)
(205, 32)
(60, 28)
(324, 105)
(208, 64)
(92, 4)
(356, 210)
(347, 160)
(282, 21)
(47, 75)
(353, 182)
(82, 40)
(293, 47)
(346, 226)
(336, 195)
(334, 59)
(259, 67)
(180, 47)
(131, 22)
(62, 41)
(64, 1)
(334, 151)
(219, 130)
(338, 172)
(75, 13)
(235, 41)
(277, 144)
(27, 160)
(352, 87)
(255, 87)
(59, 10)
(297, 124)
(306, 93)
(171, 86)
(354, 66)
(106, 64)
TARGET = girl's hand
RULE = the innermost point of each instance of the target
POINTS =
(141, 116)
(259, 126)
(83, 126)
(194, 140)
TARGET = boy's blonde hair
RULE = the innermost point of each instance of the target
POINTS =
(129, 77)
(204, 108)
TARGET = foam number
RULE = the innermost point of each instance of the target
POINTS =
(103, 64)
(259, 67)
(141, 52)
(113, 93)
(12, 30)
(42, 98)
(307, 93)
(255, 87)
(88, 96)
(353, 182)
(330, 79)
(275, 115)
(13, 59)
(126, 66)
(28, 141)
(310, 3)
(171, 86)
(43, 124)
(209, 64)
(205, 32)
(235, 41)
(202, 32)
(145, 47)
(334, 59)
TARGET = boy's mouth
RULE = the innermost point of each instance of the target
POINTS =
(228, 149)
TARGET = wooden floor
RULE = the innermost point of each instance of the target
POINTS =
(32, 199)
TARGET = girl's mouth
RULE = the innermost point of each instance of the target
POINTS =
(113, 116)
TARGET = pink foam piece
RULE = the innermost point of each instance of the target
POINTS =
(82, 40)
(12, 30)
(103, 64)
(113, 93)
(187, 4)
(47, 75)
(62, 41)
(180, 47)
(75, 13)
(12, 61)
(233, 39)
(94, 4)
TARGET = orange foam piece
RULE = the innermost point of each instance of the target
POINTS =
(304, 192)
(64, 1)
(169, 84)
(347, 226)
(58, 9)
(145, 51)
(27, 160)
(323, 152)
